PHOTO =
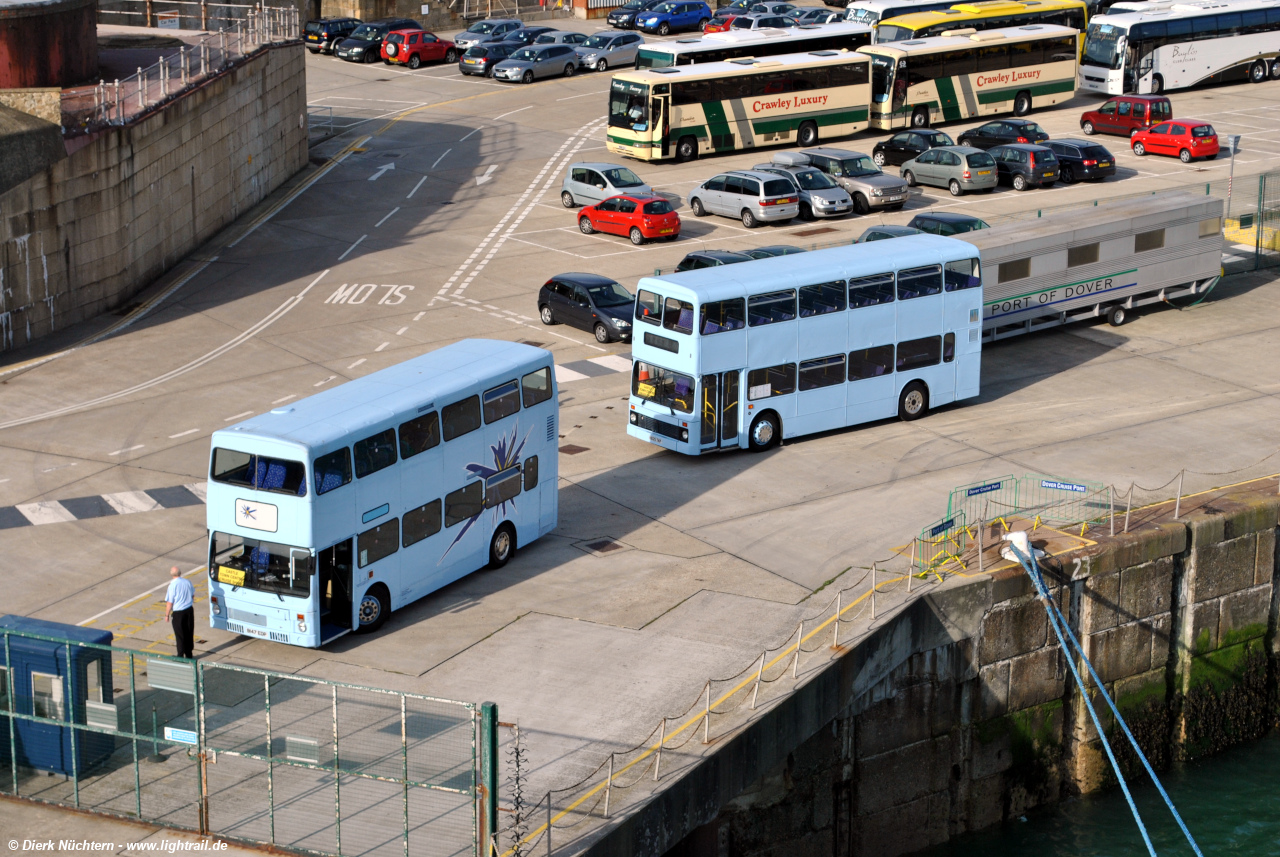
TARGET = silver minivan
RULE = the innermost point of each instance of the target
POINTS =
(536, 61)
(752, 196)
(587, 184)
(607, 49)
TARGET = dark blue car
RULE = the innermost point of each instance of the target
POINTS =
(674, 15)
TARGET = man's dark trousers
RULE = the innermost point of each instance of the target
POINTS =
(184, 631)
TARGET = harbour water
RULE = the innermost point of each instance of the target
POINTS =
(1230, 802)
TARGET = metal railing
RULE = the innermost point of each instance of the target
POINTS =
(176, 14)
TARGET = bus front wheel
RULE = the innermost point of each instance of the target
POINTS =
(1157, 84)
(807, 135)
(1258, 72)
(687, 149)
(920, 118)
(1022, 103)
(502, 546)
(914, 401)
(764, 432)
(375, 604)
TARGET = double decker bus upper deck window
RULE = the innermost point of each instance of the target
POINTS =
(260, 472)
(719, 316)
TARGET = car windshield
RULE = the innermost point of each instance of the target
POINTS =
(634, 4)
(628, 104)
(622, 177)
(395, 38)
(1033, 128)
(980, 160)
(477, 51)
(858, 167)
(664, 7)
(610, 294)
(263, 566)
(862, 16)
(658, 206)
(1202, 131)
(662, 387)
(366, 33)
(314, 27)
(814, 180)
(893, 33)
(481, 27)
(527, 54)
(597, 42)
(1103, 46)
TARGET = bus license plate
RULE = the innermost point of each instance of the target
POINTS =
(230, 576)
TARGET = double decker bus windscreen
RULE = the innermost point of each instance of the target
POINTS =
(628, 104)
(1102, 46)
(260, 565)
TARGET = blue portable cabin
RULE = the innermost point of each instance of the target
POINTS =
(36, 682)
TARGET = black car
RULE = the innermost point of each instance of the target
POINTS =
(480, 59)
(773, 250)
(1082, 160)
(946, 223)
(905, 145)
(365, 42)
(1003, 131)
(526, 36)
(323, 34)
(879, 233)
(710, 259)
(589, 302)
(624, 17)
(1024, 165)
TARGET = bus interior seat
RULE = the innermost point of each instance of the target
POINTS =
(329, 480)
(686, 319)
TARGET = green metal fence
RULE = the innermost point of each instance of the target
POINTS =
(295, 762)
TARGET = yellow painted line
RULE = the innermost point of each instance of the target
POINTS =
(413, 110)
(135, 599)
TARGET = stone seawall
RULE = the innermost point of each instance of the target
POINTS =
(85, 234)
(960, 712)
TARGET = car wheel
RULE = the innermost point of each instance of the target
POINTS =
(370, 56)
(1139, 149)
(544, 313)
(695, 205)
(602, 65)
(566, 199)
(879, 158)
(1133, 132)
(372, 611)
(1022, 103)
(1117, 315)
(1157, 84)
(748, 219)
(601, 332)
(664, 29)
(914, 402)
(860, 204)
(502, 546)
(764, 432)
(584, 224)
(954, 187)
(1019, 183)
(909, 177)
(1185, 156)
(528, 77)
(806, 211)
(1068, 175)
(568, 70)
(1088, 129)
(807, 135)
(451, 56)
(415, 61)
(920, 119)
(637, 237)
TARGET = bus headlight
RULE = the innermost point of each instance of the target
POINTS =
(684, 434)
(633, 416)
(302, 627)
(217, 608)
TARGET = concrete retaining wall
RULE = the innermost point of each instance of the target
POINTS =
(89, 231)
(959, 712)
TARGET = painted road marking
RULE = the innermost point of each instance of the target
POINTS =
(130, 502)
(45, 512)
(352, 247)
(324, 381)
(564, 374)
(382, 169)
(415, 187)
(616, 362)
(388, 217)
(238, 416)
(510, 112)
(439, 159)
(357, 363)
(183, 433)
(285, 399)
(101, 506)
(488, 175)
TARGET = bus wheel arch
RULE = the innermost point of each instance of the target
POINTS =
(913, 402)
(1022, 103)
(502, 546)
(765, 431)
(807, 135)
(687, 148)
(372, 611)
(920, 117)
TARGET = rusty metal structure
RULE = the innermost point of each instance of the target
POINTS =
(47, 43)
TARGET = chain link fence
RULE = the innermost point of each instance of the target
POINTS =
(252, 755)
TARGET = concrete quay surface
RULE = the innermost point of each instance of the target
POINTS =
(586, 650)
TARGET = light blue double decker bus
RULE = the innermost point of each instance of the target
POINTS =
(326, 514)
(740, 356)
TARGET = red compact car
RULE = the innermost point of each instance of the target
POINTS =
(640, 217)
(719, 24)
(414, 47)
(1188, 139)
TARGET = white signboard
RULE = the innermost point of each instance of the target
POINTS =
(167, 20)
(256, 516)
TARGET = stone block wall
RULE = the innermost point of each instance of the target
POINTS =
(85, 234)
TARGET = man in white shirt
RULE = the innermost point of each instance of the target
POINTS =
(179, 611)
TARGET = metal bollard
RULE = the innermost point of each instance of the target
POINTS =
(608, 787)
(706, 718)
(874, 575)
(756, 692)
(662, 739)
(1177, 506)
(141, 97)
(1128, 506)
(835, 636)
(795, 662)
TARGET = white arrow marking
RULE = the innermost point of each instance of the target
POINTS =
(488, 174)
(382, 169)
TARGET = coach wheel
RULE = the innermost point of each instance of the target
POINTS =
(566, 199)
(1139, 149)
(914, 401)
(808, 134)
(909, 177)
(375, 604)
(502, 546)
(1087, 128)
(1022, 104)
(1185, 156)
(920, 119)
(1157, 84)
(764, 432)
(1258, 72)
(687, 149)
(1117, 316)
(544, 313)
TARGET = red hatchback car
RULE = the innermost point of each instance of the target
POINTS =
(414, 47)
(640, 217)
(719, 24)
(1188, 139)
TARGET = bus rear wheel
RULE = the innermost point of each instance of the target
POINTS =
(1022, 103)
(764, 432)
(502, 546)
(1258, 72)
(375, 604)
(914, 401)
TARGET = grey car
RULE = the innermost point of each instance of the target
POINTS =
(820, 196)
(488, 30)
(870, 188)
(537, 61)
(960, 169)
(561, 37)
(587, 184)
(754, 197)
(607, 49)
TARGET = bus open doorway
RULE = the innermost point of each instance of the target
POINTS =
(335, 591)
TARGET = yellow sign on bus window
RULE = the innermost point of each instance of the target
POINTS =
(232, 576)
(646, 391)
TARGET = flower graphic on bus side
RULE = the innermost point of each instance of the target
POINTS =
(506, 458)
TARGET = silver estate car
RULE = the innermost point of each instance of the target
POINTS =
(958, 168)
(820, 196)
(752, 196)
(587, 184)
(870, 188)
(561, 37)
(488, 30)
(537, 61)
(608, 49)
